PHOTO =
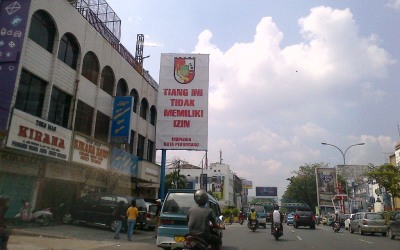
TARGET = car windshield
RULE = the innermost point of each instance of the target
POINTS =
(261, 214)
(374, 216)
(178, 203)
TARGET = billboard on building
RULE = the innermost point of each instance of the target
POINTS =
(13, 20)
(326, 185)
(91, 152)
(266, 191)
(182, 117)
(247, 184)
(121, 119)
(32, 134)
(218, 187)
(124, 162)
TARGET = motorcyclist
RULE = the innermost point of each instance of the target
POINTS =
(241, 217)
(253, 216)
(335, 218)
(199, 218)
(277, 217)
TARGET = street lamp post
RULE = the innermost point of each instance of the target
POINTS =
(344, 157)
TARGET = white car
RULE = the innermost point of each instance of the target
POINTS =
(347, 222)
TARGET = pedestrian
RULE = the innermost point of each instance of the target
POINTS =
(4, 234)
(131, 214)
(119, 216)
(158, 211)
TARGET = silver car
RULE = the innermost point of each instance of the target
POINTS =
(368, 222)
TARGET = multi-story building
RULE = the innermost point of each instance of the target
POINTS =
(217, 179)
(61, 67)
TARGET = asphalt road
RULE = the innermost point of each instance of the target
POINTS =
(236, 237)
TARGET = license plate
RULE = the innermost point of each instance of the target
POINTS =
(179, 239)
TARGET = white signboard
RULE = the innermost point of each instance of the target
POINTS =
(35, 135)
(90, 152)
(182, 117)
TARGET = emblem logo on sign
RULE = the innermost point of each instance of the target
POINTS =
(184, 69)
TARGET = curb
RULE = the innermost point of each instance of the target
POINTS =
(21, 232)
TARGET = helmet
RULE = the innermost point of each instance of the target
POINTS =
(252, 209)
(201, 197)
(336, 212)
(276, 207)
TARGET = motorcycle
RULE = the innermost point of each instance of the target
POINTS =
(42, 217)
(277, 231)
(195, 243)
(241, 221)
(336, 227)
(252, 225)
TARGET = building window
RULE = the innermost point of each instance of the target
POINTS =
(107, 80)
(42, 30)
(60, 104)
(153, 115)
(150, 150)
(143, 108)
(90, 67)
(135, 95)
(31, 93)
(69, 50)
(131, 143)
(122, 88)
(84, 118)
(140, 147)
(102, 127)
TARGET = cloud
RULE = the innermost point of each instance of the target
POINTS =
(395, 4)
(270, 106)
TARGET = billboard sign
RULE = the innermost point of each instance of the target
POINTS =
(121, 119)
(266, 191)
(182, 117)
(32, 134)
(326, 184)
(13, 20)
(124, 162)
(90, 152)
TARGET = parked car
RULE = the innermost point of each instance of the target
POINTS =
(97, 209)
(262, 219)
(304, 218)
(289, 219)
(173, 223)
(394, 226)
(151, 217)
(343, 218)
(347, 222)
(368, 222)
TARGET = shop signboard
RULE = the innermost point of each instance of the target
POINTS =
(35, 135)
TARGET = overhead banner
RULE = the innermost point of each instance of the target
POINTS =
(326, 184)
(121, 119)
(182, 117)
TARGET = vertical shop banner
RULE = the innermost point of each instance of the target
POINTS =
(13, 20)
(121, 119)
(182, 117)
(204, 181)
(326, 185)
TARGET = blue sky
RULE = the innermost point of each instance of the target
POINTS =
(284, 77)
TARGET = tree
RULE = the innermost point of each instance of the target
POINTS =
(303, 187)
(388, 176)
(174, 180)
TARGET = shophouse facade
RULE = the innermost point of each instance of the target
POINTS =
(61, 67)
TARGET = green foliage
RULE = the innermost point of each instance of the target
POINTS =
(228, 211)
(174, 180)
(388, 176)
(303, 187)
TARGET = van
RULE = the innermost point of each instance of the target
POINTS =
(173, 223)
(97, 209)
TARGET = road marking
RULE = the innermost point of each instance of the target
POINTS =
(299, 238)
(369, 242)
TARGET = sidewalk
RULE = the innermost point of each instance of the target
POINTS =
(35, 238)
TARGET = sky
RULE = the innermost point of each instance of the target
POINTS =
(285, 76)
